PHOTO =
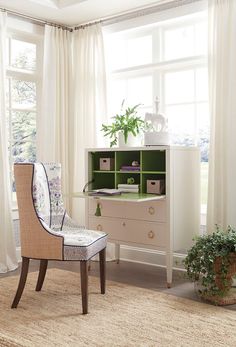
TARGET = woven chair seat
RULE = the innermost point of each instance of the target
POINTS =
(80, 243)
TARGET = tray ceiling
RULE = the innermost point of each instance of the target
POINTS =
(73, 12)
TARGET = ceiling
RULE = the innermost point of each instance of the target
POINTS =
(73, 12)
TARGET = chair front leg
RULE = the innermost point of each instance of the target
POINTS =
(22, 281)
(42, 272)
(102, 265)
(84, 285)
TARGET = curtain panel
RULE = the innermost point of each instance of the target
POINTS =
(73, 104)
(8, 261)
(90, 105)
(90, 102)
(54, 134)
(222, 86)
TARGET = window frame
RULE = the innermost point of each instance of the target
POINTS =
(158, 68)
(34, 76)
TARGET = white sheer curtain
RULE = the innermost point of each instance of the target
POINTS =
(73, 109)
(90, 99)
(8, 259)
(222, 78)
(54, 134)
(90, 105)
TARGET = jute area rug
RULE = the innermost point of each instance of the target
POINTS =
(126, 316)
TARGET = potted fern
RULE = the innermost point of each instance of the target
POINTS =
(211, 264)
(126, 128)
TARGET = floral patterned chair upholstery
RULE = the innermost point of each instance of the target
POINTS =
(47, 232)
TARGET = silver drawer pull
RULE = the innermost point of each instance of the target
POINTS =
(151, 210)
(99, 227)
(151, 234)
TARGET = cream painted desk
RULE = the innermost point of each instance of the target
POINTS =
(164, 223)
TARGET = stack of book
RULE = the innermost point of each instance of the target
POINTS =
(128, 188)
(130, 168)
(104, 192)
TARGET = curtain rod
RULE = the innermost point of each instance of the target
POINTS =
(138, 13)
(34, 20)
(106, 20)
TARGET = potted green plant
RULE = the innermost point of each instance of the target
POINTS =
(211, 263)
(125, 128)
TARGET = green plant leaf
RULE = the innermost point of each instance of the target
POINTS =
(127, 123)
(208, 251)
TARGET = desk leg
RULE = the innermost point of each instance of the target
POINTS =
(117, 253)
(169, 268)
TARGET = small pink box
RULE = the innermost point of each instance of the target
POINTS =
(107, 164)
(156, 187)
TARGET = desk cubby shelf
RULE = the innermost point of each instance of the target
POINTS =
(152, 166)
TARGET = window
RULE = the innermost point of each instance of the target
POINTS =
(167, 60)
(23, 64)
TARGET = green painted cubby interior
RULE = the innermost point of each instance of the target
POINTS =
(152, 166)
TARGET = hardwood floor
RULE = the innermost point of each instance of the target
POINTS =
(140, 275)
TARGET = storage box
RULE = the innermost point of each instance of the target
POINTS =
(106, 164)
(156, 187)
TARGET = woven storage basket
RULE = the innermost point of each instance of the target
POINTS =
(230, 297)
(230, 274)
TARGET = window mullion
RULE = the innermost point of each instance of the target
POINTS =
(10, 50)
(178, 64)
(20, 75)
(156, 58)
(196, 130)
(10, 139)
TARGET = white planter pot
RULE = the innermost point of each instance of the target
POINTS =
(156, 138)
(132, 141)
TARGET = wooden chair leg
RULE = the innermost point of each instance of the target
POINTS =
(102, 264)
(22, 281)
(84, 285)
(42, 272)
(89, 265)
(117, 253)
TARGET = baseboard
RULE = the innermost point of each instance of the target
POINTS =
(140, 255)
(150, 257)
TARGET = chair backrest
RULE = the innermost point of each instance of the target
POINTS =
(47, 195)
(38, 210)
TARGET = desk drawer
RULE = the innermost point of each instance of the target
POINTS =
(147, 233)
(108, 208)
(153, 211)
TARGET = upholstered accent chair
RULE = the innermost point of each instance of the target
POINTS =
(46, 230)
